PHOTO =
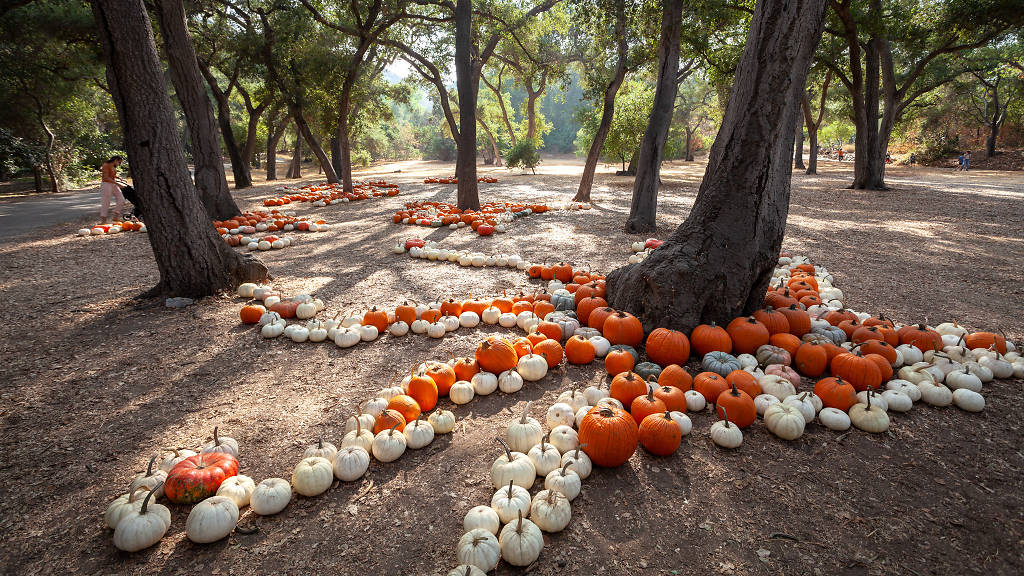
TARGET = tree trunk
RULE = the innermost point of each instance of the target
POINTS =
(990, 142)
(314, 144)
(465, 168)
(643, 210)
(344, 143)
(211, 182)
(798, 148)
(607, 108)
(718, 263)
(239, 167)
(689, 144)
(273, 138)
(192, 259)
(37, 177)
(252, 127)
(295, 169)
(812, 133)
(997, 120)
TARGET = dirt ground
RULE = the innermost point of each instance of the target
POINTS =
(95, 382)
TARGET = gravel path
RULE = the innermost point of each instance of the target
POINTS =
(95, 382)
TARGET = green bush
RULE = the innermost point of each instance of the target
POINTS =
(524, 154)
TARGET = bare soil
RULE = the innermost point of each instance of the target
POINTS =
(95, 382)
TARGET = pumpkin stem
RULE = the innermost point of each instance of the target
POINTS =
(565, 467)
(578, 448)
(525, 412)
(392, 431)
(725, 415)
(544, 439)
(145, 501)
(519, 526)
(216, 439)
(320, 443)
(149, 467)
(511, 483)
(508, 451)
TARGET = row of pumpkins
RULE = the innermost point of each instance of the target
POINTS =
(430, 250)
(324, 194)
(113, 228)
(245, 230)
(492, 216)
(454, 180)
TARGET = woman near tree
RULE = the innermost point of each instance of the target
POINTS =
(109, 186)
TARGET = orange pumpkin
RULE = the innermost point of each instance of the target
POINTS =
(673, 398)
(811, 359)
(587, 305)
(443, 376)
(646, 404)
(675, 376)
(710, 385)
(861, 372)
(666, 347)
(609, 436)
(423, 390)
(986, 340)
(836, 393)
(626, 386)
(618, 361)
(465, 368)
(747, 334)
(744, 381)
(739, 405)
(786, 341)
(551, 350)
(710, 338)
(251, 314)
(406, 313)
(388, 419)
(550, 330)
(579, 350)
(598, 316)
(775, 321)
(376, 318)
(660, 435)
(623, 328)
(496, 355)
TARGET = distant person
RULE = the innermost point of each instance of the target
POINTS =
(110, 186)
(967, 161)
(888, 158)
(913, 159)
(960, 162)
(840, 154)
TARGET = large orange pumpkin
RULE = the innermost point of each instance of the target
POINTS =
(775, 321)
(836, 393)
(587, 305)
(626, 386)
(675, 376)
(710, 338)
(598, 316)
(738, 404)
(623, 328)
(608, 436)
(666, 347)
(579, 350)
(423, 390)
(799, 320)
(861, 372)
(197, 477)
(660, 435)
(496, 355)
(747, 334)
(811, 359)
(551, 350)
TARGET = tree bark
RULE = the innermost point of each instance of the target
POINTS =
(465, 168)
(644, 208)
(211, 182)
(37, 177)
(813, 123)
(295, 168)
(192, 259)
(314, 144)
(689, 143)
(239, 166)
(344, 142)
(273, 137)
(607, 108)
(798, 148)
(718, 263)
(812, 158)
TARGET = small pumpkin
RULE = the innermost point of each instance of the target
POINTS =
(659, 434)
(198, 477)
(726, 435)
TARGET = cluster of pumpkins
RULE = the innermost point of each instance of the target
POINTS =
(242, 230)
(454, 180)
(113, 228)
(430, 250)
(492, 216)
(325, 194)
(641, 250)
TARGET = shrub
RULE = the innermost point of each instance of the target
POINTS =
(524, 154)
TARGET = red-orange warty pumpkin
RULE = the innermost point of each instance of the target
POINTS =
(623, 328)
(608, 435)
(747, 335)
(660, 435)
(666, 347)
(197, 477)
(251, 314)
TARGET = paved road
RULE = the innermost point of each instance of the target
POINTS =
(21, 215)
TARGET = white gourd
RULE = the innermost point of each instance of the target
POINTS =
(443, 421)
(211, 520)
(313, 476)
(834, 419)
(563, 480)
(968, 400)
(564, 438)
(521, 542)
(238, 488)
(544, 457)
(479, 548)
(461, 392)
(510, 382)
(270, 496)
(484, 383)
(785, 421)
(388, 446)
(351, 463)
(523, 433)
(550, 511)
(560, 414)
(419, 433)
(578, 462)
(510, 501)
(482, 517)
(514, 467)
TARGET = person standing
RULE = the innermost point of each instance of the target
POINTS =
(960, 162)
(110, 187)
(967, 161)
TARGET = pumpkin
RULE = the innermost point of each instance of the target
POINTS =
(726, 435)
(861, 372)
(968, 400)
(659, 434)
(442, 421)
(376, 318)
(544, 456)
(224, 444)
(521, 542)
(721, 363)
(881, 348)
(626, 386)
(478, 548)
(251, 314)
(799, 320)
(578, 462)
(836, 393)
(406, 312)
(270, 496)
(920, 337)
(563, 480)
(465, 368)
(482, 517)
(747, 334)
(598, 317)
(785, 421)
(443, 376)
(388, 446)
(618, 361)
(811, 359)
(587, 305)
(551, 350)
(404, 405)
(351, 463)
(564, 438)
(550, 511)
(739, 404)
(675, 376)
(211, 520)
(197, 477)
(579, 350)
(646, 404)
(744, 381)
(673, 398)
(609, 436)
(140, 529)
(985, 340)
(666, 347)
(623, 328)
(834, 419)
(512, 466)
(710, 338)
(869, 417)
(510, 501)
(710, 385)
(523, 433)
(787, 342)
(776, 322)
(496, 355)
(648, 370)
(423, 390)
(389, 418)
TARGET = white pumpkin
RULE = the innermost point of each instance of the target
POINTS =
(785, 421)
(238, 488)
(360, 436)
(362, 418)
(564, 438)
(368, 333)
(869, 417)
(313, 476)
(560, 414)
(510, 501)
(763, 401)
(347, 337)
(545, 457)
(211, 520)
(124, 504)
(935, 393)
(582, 412)
(220, 443)
(681, 420)
(270, 496)
(611, 403)
(443, 421)
(984, 374)
(450, 323)
(550, 511)
(908, 388)
(436, 330)
(1000, 368)
(523, 433)
(834, 419)
(398, 328)
(388, 446)
(351, 463)
(322, 449)
(911, 354)
(777, 386)
(564, 481)
(419, 433)
(968, 400)
(594, 393)
(876, 399)
(484, 383)
(479, 548)
(578, 462)
(601, 346)
(896, 401)
(726, 434)
(151, 479)
(574, 398)
(461, 392)
(532, 367)
(490, 315)
(507, 320)
(695, 401)
(141, 528)
(521, 542)
(803, 404)
(514, 467)
(469, 319)
(419, 326)
(510, 381)
(484, 518)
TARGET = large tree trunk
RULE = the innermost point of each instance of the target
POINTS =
(277, 130)
(193, 260)
(689, 144)
(997, 121)
(719, 262)
(295, 168)
(239, 167)
(210, 179)
(812, 133)
(249, 151)
(37, 177)
(314, 144)
(465, 167)
(607, 108)
(344, 142)
(798, 148)
(644, 208)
